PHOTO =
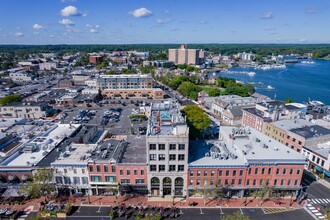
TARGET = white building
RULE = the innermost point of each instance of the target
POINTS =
(48, 66)
(22, 76)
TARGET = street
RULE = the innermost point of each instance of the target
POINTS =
(98, 213)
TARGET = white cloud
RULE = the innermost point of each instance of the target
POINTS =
(66, 22)
(51, 36)
(267, 15)
(311, 10)
(93, 28)
(163, 21)
(19, 34)
(71, 11)
(174, 29)
(270, 29)
(141, 13)
(37, 26)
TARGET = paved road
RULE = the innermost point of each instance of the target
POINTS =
(99, 213)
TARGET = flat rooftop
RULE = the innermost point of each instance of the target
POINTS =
(126, 76)
(166, 119)
(247, 146)
(311, 131)
(321, 149)
(258, 113)
(289, 124)
(49, 137)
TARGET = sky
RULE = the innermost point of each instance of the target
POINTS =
(164, 21)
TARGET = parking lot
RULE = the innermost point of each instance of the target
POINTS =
(117, 126)
(88, 212)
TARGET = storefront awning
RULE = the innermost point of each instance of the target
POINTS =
(326, 173)
(319, 169)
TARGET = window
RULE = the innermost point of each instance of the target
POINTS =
(113, 169)
(181, 146)
(227, 172)
(106, 169)
(75, 171)
(219, 182)
(121, 172)
(83, 171)
(76, 180)
(261, 182)
(59, 180)
(110, 179)
(152, 146)
(172, 146)
(254, 182)
(322, 163)
(84, 180)
(198, 182)
(135, 172)
(65, 171)
(282, 182)
(284, 171)
(226, 182)
(288, 137)
(98, 168)
(298, 171)
(233, 182)
(161, 168)
(161, 146)
(220, 172)
(96, 178)
(172, 157)
(67, 180)
(212, 172)
(269, 171)
(267, 182)
(198, 173)
(248, 182)
(296, 182)
(250, 171)
(275, 182)
(318, 160)
(205, 172)
(125, 181)
(153, 168)
(191, 182)
(128, 172)
(172, 168)
(153, 157)
(293, 139)
(241, 172)
(239, 181)
(278, 171)
(211, 182)
(181, 157)
(263, 171)
(139, 181)
(291, 171)
(181, 168)
(191, 173)
(299, 142)
(161, 157)
(142, 172)
(313, 159)
(256, 171)
(289, 182)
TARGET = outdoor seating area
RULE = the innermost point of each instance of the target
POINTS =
(143, 211)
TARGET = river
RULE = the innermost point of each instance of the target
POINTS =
(299, 81)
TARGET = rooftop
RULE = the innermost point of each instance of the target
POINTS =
(311, 131)
(240, 147)
(127, 76)
(258, 113)
(289, 124)
(321, 149)
(33, 151)
(234, 100)
(166, 119)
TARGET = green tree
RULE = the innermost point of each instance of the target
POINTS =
(214, 92)
(288, 100)
(235, 216)
(182, 66)
(197, 120)
(10, 98)
(249, 88)
(236, 90)
(40, 184)
(190, 90)
(177, 81)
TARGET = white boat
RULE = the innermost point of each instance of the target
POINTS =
(270, 87)
(9, 212)
(307, 62)
(270, 67)
(251, 73)
(3, 211)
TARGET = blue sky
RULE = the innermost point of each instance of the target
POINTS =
(163, 21)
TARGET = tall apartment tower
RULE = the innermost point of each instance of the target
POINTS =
(167, 150)
(184, 55)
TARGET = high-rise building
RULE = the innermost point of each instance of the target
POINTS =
(167, 150)
(184, 55)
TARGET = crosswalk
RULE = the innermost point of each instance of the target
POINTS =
(315, 212)
(318, 201)
(274, 210)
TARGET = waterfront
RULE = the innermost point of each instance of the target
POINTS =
(298, 81)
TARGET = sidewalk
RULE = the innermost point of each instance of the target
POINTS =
(167, 201)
